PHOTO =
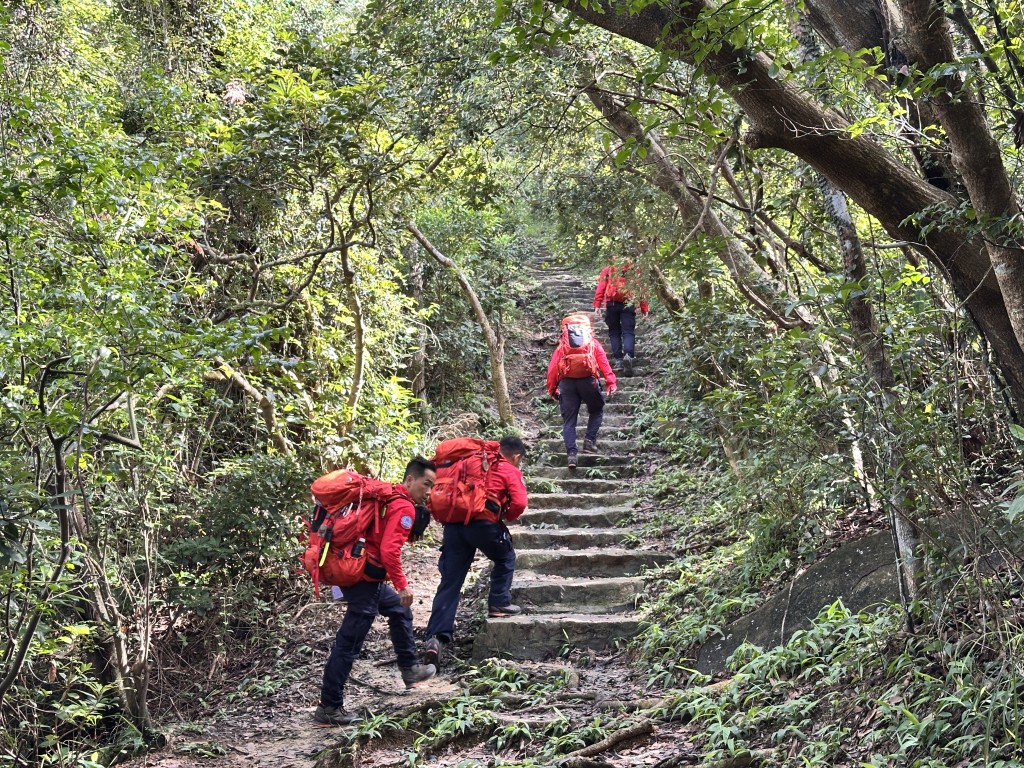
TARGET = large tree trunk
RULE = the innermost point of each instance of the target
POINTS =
(864, 324)
(784, 116)
(765, 294)
(495, 345)
(975, 153)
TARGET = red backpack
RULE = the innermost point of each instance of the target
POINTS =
(347, 506)
(577, 345)
(618, 288)
(460, 492)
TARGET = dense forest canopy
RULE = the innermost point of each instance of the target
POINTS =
(247, 241)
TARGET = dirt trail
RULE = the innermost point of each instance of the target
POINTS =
(573, 578)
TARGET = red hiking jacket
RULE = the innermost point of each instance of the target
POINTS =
(611, 286)
(505, 485)
(384, 547)
(599, 356)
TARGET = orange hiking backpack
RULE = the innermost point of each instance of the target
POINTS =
(347, 506)
(460, 492)
(577, 344)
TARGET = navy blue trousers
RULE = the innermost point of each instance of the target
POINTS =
(571, 394)
(365, 600)
(459, 545)
(621, 321)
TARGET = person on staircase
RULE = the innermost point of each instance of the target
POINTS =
(576, 366)
(615, 295)
(506, 501)
(368, 598)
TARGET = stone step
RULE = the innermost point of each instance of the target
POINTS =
(589, 562)
(576, 518)
(629, 385)
(586, 460)
(575, 485)
(556, 595)
(616, 406)
(566, 538)
(612, 418)
(604, 447)
(579, 500)
(551, 472)
(541, 636)
(608, 432)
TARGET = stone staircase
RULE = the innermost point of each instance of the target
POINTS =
(576, 581)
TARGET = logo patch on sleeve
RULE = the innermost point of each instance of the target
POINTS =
(406, 522)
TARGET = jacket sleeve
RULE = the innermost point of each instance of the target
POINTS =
(644, 308)
(553, 379)
(397, 524)
(602, 364)
(516, 488)
(602, 285)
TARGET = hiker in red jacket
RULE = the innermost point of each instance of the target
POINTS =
(372, 596)
(486, 531)
(615, 295)
(577, 362)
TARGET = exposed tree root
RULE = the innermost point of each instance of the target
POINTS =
(517, 699)
(586, 762)
(754, 757)
(643, 728)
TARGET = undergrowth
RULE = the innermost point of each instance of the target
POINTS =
(489, 710)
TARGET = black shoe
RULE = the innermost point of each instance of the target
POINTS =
(571, 459)
(503, 612)
(432, 652)
(417, 673)
(627, 361)
(325, 716)
(589, 446)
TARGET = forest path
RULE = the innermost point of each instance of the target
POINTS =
(576, 579)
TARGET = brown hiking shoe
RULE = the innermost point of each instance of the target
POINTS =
(417, 673)
(504, 611)
(589, 446)
(571, 459)
(325, 716)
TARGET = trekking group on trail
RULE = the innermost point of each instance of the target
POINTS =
(473, 487)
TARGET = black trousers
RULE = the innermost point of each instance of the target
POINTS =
(621, 321)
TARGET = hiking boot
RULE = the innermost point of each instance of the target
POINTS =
(589, 446)
(334, 716)
(572, 460)
(627, 362)
(616, 363)
(417, 673)
(503, 612)
(432, 652)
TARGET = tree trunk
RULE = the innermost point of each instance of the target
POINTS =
(864, 324)
(495, 345)
(975, 153)
(359, 366)
(418, 367)
(783, 116)
(764, 293)
(263, 400)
